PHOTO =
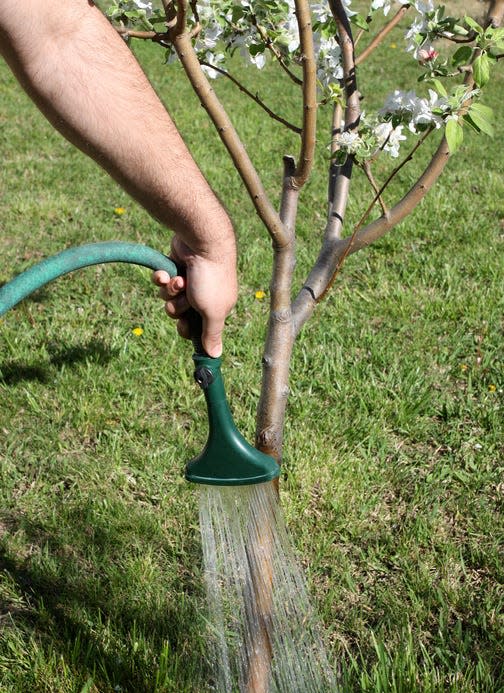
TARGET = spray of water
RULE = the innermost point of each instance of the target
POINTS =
(263, 630)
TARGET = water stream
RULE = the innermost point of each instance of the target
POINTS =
(263, 630)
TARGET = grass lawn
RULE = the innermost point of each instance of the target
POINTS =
(393, 479)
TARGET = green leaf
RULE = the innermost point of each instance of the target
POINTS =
(360, 21)
(459, 30)
(498, 34)
(484, 111)
(474, 25)
(481, 70)
(482, 118)
(462, 56)
(339, 157)
(256, 48)
(454, 135)
(438, 86)
(469, 121)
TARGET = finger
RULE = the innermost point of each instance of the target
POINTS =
(211, 337)
(175, 286)
(177, 306)
(160, 277)
(183, 328)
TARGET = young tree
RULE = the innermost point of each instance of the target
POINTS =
(314, 47)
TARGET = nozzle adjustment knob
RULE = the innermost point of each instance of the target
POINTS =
(203, 376)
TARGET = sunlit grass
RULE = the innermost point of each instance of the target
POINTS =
(392, 482)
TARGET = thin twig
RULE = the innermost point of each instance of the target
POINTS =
(350, 241)
(163, 38)
(360, 34)
(458, 39)
(254, 97)
(276, 53)
(390, 178)
(366, 167)
(133, 33)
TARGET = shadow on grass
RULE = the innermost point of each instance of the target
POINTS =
(14, 372)
(94, 351)
(123, 642)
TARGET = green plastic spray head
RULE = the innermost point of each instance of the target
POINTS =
(227, 459)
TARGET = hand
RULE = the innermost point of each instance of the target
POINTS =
(210, 286)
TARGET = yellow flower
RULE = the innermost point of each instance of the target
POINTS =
(260, 295)
(393, 45)
(138, 331)
(463, 366)
(119, 211)
(492, 388)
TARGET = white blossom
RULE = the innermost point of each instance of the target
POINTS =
(385, 5)
(321, 11)
(328, 52)
(290, 30)
(424, 6)
(388, 138)
(259, 60)
(415, 110)
(346, 4)
(348, 141)
(213, 60)
(141, 5)
(393, 143)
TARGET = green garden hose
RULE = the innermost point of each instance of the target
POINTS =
(76, 258)
(227, 459)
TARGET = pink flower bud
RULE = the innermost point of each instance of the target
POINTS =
(425, 55)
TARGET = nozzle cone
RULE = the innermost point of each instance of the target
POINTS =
(227, 459)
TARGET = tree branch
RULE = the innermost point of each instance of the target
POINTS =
(181, 41)
(322, 271)
(352, 114)
(280, 337)
(181, 18)
(334, 168)
(308, 135)
(495, 14)
(381, 35)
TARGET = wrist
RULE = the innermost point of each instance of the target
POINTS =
(217, 243)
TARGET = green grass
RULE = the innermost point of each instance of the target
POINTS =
(392, 483)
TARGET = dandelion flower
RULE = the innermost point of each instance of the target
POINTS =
(260, 295)
(138, 331)
(119, 211)
(492, 388)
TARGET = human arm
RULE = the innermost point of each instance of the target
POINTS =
(86, 81)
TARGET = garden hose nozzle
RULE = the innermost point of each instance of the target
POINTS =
(227, 459)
